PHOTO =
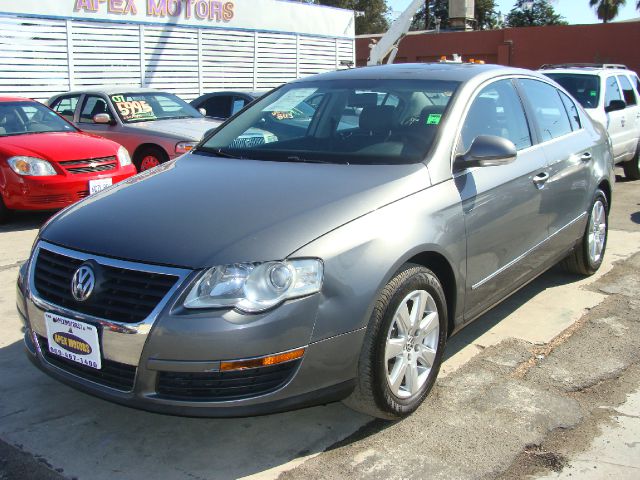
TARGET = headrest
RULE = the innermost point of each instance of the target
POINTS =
(377, 118)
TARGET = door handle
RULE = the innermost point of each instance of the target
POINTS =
(540, 179)
(586, 156)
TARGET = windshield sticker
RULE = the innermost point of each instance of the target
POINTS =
(593, 93)
(135, 110)
(434, 119)
(282, 115)
(290, 100)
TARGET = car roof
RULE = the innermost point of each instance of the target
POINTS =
(110, 90)
(16, 99)
(589, 71)
(460, 72)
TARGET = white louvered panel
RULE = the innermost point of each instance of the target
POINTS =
(276, 60)
(33, 56)
(346, 53)
(171, 60)
(316, 55)
(105, 54)
(227, 60)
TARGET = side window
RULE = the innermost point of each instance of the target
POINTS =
(627, 90)
(92, 106)
(218, 106)
(574, 116)
(612, 91)
(497, 110)
(66, 106)
(637, 82)
(548, 109)
(238, 104)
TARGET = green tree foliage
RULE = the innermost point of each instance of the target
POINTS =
(536, 13)
(485, 13)
(374, 19)
(607, 10)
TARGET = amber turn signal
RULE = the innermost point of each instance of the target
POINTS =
(262, 361)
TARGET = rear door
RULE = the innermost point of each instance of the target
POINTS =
(632, 113)
(569, 152)
(504, 216)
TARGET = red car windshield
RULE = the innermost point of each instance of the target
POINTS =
(23, 118)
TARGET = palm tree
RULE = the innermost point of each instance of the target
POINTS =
(608, 9)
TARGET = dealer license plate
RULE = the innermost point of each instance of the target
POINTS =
(97, 185)
(73, 340)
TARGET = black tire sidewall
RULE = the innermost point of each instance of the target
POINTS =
(591, 266)
(157, 152)
(419, 279)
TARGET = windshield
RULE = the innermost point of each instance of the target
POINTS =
(339, 121)
(584, 88)
(149, 106)
(23, 118)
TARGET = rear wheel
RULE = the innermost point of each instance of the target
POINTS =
(403, 346)
(149, 157)
(587, 257)
(632, 167)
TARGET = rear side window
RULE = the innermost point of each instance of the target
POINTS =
(497, 110)
(574, 116)
(548, 109)
(627, 90)
(612, 91)
(66, 106)
(218, 106)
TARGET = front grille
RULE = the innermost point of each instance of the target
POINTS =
(221, 386)
(112, 374)
(122, 295)
(90, 165)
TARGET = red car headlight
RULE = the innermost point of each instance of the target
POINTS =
(31, 166)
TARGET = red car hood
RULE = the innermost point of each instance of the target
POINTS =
(58, 146)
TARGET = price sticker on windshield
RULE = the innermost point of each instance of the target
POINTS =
(434, 119)
(133, 110)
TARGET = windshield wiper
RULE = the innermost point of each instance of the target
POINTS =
(295, 158)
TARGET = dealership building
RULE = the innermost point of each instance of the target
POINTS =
(188, 47)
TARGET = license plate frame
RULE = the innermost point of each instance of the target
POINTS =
(73, 340)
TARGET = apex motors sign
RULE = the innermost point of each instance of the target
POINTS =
(212, 10)
(259, 15)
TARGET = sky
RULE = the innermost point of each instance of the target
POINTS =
(574, 11)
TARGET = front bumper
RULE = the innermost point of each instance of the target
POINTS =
(170, 362)
(55, 192)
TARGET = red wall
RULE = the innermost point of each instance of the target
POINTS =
(528, 47)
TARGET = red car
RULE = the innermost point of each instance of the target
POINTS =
(46, 163)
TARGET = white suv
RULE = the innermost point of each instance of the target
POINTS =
(610, 95)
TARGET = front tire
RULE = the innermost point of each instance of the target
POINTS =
(588, 255)
(403, 345)
(632, 167)
(149, 157)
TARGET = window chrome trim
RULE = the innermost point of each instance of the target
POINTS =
(521, 257)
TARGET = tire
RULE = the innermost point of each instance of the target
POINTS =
(588, 255)
(632, 167)
(4, 211)
(375, 393)
(149, 157)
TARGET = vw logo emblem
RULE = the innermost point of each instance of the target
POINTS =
(82, 283)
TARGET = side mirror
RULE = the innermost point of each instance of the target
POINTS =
(615, 105)
(103, 119)
(487, 151)
(202, 111)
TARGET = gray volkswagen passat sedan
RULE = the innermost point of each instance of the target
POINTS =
(330, 263)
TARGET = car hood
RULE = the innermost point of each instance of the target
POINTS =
(58, 146)
(181, 128)
(199, 211)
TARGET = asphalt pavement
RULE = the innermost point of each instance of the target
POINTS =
(544, 385)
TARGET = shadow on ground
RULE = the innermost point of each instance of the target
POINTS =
(22, 221)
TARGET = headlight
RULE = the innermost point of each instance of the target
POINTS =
(123, 157)
(253, 287)
(184, 147)
(35, 167)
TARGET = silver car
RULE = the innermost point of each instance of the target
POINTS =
(333, 262)
(153, 126)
